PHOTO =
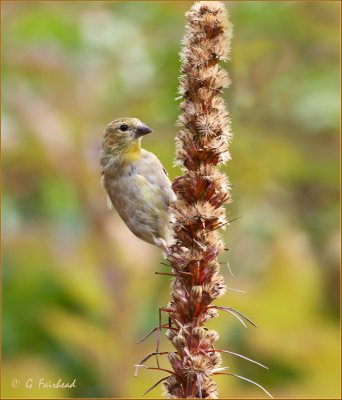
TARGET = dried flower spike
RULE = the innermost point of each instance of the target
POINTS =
(202, 145)
(202, 190)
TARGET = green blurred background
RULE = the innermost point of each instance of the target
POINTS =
(78, 287)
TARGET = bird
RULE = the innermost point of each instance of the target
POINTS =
(136, 183)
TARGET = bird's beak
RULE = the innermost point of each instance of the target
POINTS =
(142, 130)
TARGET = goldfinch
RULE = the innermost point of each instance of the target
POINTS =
(136, 182)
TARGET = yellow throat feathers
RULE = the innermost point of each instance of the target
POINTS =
(133, 152)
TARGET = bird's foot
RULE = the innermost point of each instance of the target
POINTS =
(162, 245)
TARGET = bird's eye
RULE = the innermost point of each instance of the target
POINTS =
(123, 127)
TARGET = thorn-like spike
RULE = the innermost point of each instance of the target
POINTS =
(247, 380)
(151, 331)
(140, 364)
(231, 272)
(236, 290)
(164, 273)
(156, 384)
(234, 311)
(243, 316)
(238, 355)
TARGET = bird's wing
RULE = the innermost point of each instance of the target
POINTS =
(109, 201)
(153, 170)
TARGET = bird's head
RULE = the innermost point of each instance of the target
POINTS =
(124, 134)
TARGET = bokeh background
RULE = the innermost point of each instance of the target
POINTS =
(79, 289)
